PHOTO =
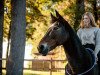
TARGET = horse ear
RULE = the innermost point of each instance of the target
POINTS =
(58, 15)
(53, 18)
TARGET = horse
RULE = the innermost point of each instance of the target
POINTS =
(81, 61)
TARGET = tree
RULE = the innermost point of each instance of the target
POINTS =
(95, 10)
(79, 12)
(1, 31)
(90, 5)
(18, 25)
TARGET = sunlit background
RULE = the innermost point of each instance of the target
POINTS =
(38, 21)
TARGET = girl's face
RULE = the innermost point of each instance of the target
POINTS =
(86, 21)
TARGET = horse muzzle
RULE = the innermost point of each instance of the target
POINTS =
(43, 49)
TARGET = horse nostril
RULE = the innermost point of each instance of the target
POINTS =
(41, 47)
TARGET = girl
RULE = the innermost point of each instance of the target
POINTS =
(89, 34)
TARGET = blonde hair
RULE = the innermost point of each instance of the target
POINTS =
(91, 17)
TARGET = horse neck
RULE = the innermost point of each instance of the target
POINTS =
(77, 56)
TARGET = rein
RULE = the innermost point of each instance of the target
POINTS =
(94, 63)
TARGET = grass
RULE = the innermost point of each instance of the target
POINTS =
(31, 72)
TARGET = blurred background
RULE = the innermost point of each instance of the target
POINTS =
(37, 22)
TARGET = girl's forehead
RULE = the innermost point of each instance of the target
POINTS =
(86, 16)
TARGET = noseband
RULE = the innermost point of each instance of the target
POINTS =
(94, 62)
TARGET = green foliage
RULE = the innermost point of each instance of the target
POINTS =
(38, 17)
(7, 17)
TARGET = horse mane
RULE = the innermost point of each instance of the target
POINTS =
(78, 57)
(72, 33)
(74, 41)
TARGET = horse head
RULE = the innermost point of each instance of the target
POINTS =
(61, 33)
(56, 35)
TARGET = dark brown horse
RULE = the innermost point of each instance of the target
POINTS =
(80, 60)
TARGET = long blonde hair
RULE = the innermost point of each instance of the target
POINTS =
(91, 17)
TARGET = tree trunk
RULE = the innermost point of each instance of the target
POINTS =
(18, 25)
(90, 5)
(78, 13)
(1, 31)
(95, 10)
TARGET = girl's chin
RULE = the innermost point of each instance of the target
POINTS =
(86, 25)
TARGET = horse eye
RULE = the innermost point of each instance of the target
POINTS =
(55, 28)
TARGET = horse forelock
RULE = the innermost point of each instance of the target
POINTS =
(53, 24)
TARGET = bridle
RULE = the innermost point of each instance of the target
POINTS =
(94, 63)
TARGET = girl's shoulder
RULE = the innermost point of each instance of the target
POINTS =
(96, 28)
(80, 29)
